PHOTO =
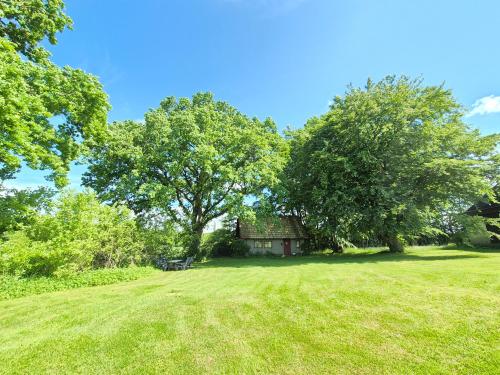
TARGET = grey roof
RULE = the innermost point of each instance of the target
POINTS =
(273, 228)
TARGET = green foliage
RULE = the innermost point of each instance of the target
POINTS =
(79, 234)
(384, 160)
(194, 160)
(164, 240)
(26, 23)
(309, 246)
(475, 230)
(46, 110)
(20, 207)
(223, 243)
(14, 286)
(239, 248)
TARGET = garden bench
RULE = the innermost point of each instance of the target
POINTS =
(185, 265)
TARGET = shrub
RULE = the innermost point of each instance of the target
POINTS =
(223, 243)
(473, 230)
(239, 248)
(307, 247)
(78, 234)
(162, 242)
(14, 286)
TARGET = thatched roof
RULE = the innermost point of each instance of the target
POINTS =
(272, 228)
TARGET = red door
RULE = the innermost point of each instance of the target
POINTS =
(287, 246)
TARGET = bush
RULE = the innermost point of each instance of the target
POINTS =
(79, 233)
(162, 242)
(14, 287)
(308, 247)
(473, 230)
(239, 248)
(223, 243)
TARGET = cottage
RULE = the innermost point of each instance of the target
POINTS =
(281, 236)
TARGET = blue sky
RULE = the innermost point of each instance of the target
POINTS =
(280, 58)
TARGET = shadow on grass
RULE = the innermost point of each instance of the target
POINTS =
(383, 256)
(493, 249)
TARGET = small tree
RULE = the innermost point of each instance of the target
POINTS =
(385, 159)
(194, 160)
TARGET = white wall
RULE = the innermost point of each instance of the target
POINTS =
(277, 247)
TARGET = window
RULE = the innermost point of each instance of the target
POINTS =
(263, 244)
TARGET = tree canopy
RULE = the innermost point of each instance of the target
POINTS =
(47, 111)
(385, 160)
(192, 160)
(25, 23)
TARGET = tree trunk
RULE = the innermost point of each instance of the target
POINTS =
(395, 244)
(195, 241)
(196, 228)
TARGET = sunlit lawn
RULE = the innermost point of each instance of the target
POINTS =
(428, 311)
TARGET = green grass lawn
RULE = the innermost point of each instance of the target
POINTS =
(428, 311)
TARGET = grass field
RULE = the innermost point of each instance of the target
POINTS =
(428, 311)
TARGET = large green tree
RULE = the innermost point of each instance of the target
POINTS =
(192, 160)
(385, 161)
(48, 113)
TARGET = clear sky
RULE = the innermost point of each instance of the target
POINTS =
(280, 58)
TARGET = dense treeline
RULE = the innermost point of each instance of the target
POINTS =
(389, 164)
